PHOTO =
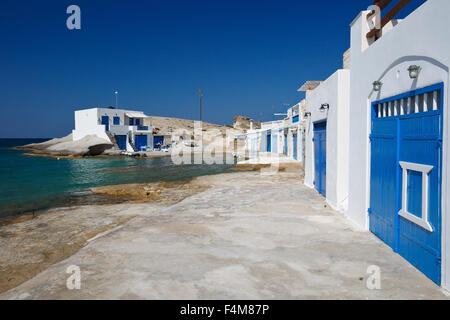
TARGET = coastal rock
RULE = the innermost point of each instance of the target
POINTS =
(46, 144)
(90, 145)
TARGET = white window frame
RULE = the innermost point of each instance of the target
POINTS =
(425, 170)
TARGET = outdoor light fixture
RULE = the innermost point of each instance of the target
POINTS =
(324, 106)
(377, 85)
(307, 114)
(414, 71)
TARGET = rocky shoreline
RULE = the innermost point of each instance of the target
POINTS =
(31, 243)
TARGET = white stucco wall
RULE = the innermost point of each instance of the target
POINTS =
(419, 39)
(335, 92)
(88, 122)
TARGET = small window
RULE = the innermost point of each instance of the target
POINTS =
(415, 193)
(131, 121)
(116, 121)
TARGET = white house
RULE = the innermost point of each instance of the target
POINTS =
(130, 130)
(327, 138)
(377, 134)
(399, 175)
(280, 137)
(293, 139)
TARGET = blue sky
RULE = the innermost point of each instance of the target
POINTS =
(248, 56)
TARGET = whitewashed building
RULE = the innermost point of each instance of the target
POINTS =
(327, 137)
(377, 131)
(129, 130)
(277, 138)
(399, 175)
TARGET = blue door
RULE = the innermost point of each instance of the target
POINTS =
(383, 175)
(121, 141)
(269, 141)
(405, 176)
(140, 142)
(320, 157)
(294, 142)
(158, 140)
(285, 144)
(105, 121)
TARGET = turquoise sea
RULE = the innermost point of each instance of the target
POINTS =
(35, 183)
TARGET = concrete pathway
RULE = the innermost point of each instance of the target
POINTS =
(248, 237)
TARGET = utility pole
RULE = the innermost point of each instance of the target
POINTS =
(201, 96)
(116, 93)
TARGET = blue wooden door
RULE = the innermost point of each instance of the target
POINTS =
(320, 157)
(105, 121)
(140, 141)
(294, 141)
(121, 141)
(285, 144)
(269, 142)
(383, 173)
(405, 181)
(420, 144)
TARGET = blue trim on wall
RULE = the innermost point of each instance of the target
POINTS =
(105, 122)
(413, 93)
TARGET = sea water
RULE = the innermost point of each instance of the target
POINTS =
(29, 183)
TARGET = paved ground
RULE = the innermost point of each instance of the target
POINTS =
(248, 237)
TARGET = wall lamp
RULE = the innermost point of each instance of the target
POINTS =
(377, 85)
(414, 71)
(307, 114)
(324, 106)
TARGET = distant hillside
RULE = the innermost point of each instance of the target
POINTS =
(162, 125)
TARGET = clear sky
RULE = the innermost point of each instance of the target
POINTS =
(249, 56)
